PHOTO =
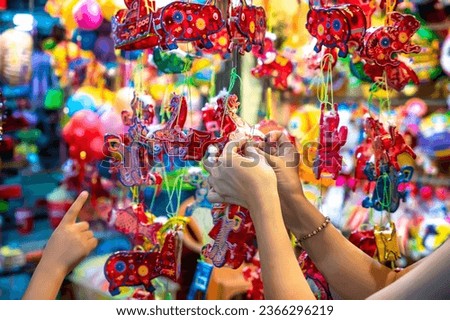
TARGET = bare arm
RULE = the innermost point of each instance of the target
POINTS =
(281, 273)
(427, 279)
(348, 270)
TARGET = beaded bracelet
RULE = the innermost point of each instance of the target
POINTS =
(311, 234)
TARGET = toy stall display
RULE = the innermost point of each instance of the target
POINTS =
(122, 98)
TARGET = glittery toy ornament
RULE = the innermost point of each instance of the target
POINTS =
(233, 234)
(396, 77)
(387, 243)
(337, 27)
(172, 62)
(315, 279)
(252, 274)
(365, 240)
(381, 44)
(331, 139)
(185, 21)
(386, 195)
(246, 26)
(132, 28)
(220, 44)
(171, 139)
(141, 231)
(133, 268)
(273, 65)
(200, 282)
(387, 145)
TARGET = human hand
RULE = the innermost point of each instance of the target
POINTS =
(240, 179)
(71, 242)
(284, 158)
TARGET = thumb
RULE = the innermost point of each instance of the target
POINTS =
(272, 160)
(72, 214)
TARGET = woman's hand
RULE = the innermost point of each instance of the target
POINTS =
(241, 179)
(71, 242)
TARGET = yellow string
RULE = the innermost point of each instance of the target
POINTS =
(269, 115)
(325, 88)
(135, 193)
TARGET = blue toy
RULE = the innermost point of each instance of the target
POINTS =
(199, 285)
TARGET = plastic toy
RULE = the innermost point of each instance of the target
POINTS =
(132, 27)
(315, 279)
(331, 139)
(386, 195)
(233, 235)
(173, 62)
(382, 43)
(274, 65)
(200, 282)
(337, 27)
(135, 268)
(187, 22)
(246, 26)
(387, 243)
(220, 44)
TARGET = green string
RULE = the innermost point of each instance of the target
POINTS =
(387, 192)
(177, 188)
(233, 77)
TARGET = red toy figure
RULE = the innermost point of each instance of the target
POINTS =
(253, 275)
(187, 22)
(396, 146)
(397, 77)
(139, 107)
(337, 27)
(365, 240)
(127, 222)
(132, 28)
(246, 26)
(316, 281)
(382, 43)
(171, 139)
(233, 235)
(220, 44)
(140, 268)
(274, 65)
(332, 138)
(362, 155)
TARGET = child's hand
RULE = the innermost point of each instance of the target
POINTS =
(71, 242)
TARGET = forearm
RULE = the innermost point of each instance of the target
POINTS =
(348, 270)
(45, 282)
(281, 274)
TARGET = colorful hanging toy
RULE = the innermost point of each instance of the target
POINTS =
(332, 138)
(140, 268)
(246, 26)
(274, 65)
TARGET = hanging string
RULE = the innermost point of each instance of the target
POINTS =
(269, 113)
(386, 198)
(135, 193)
(233, 77)
(325, 87)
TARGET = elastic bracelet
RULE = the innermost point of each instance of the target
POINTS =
(311, 234)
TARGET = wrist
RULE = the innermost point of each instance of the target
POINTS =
(57, 269)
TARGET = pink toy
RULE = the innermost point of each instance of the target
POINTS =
(88, 14)
(332, 138)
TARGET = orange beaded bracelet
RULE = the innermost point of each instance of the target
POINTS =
(311, 234)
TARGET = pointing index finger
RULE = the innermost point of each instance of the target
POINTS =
(72, 214)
